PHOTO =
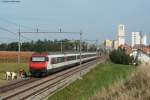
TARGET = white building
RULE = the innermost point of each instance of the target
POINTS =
(115, 44)
(136, 38)
(144, 40)
(121, 34)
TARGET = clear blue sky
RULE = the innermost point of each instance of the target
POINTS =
(97, 18)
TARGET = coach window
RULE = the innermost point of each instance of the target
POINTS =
(53, 60)
(78, 57)
(60, 59)
(83, 56)
(71, 58)
(46, 59)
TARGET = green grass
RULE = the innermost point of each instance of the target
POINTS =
(102, 76)
(11, 67)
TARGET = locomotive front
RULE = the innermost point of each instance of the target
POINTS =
(38, 64)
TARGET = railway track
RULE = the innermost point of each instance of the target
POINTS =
(15, 84)
(34, 88)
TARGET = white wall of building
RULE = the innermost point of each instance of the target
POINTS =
(144, 40)
(121, 34)
(136, 38)
(121, 30)
(115, 44)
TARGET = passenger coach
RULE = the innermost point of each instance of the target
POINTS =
(43, 64)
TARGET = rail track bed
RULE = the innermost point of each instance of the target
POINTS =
(39, 89)
(16, 83)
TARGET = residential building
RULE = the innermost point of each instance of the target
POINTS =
(136, 38)
(144, 40)
(115, 44)
(108, 44)
(121, 34)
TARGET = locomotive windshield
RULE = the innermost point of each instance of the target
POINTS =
(39, 59)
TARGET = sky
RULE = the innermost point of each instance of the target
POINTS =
(98, 19)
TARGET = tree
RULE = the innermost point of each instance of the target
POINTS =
(12, 46)
(120, 57)
(3, 47)
(47, 46)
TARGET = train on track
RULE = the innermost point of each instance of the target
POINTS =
(42, 64)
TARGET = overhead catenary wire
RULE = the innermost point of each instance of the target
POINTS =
(10, 1)
(7, 30)
(14, 33)
(7, 38)
(17, 25)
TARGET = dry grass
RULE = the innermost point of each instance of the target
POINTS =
(137, 87)
(12, 56)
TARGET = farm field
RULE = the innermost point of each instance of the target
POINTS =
(12, 56)
(8, 62)
(102, 76)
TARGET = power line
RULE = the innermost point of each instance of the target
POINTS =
(4, 29)
(13, 23)
(7, 38)
(26, 37)
(12, 1)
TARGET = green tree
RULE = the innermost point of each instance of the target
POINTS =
(12, 46)
(119, 56)
(3, 47)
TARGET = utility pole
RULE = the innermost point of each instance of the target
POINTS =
(96, 45)
(80, 47)
(61, 46)
(19, 45)
(97, 53)
(87, 47)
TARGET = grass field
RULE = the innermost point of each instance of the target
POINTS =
(102, 76)
(137, 87)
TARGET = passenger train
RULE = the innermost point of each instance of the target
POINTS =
(44, 64)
